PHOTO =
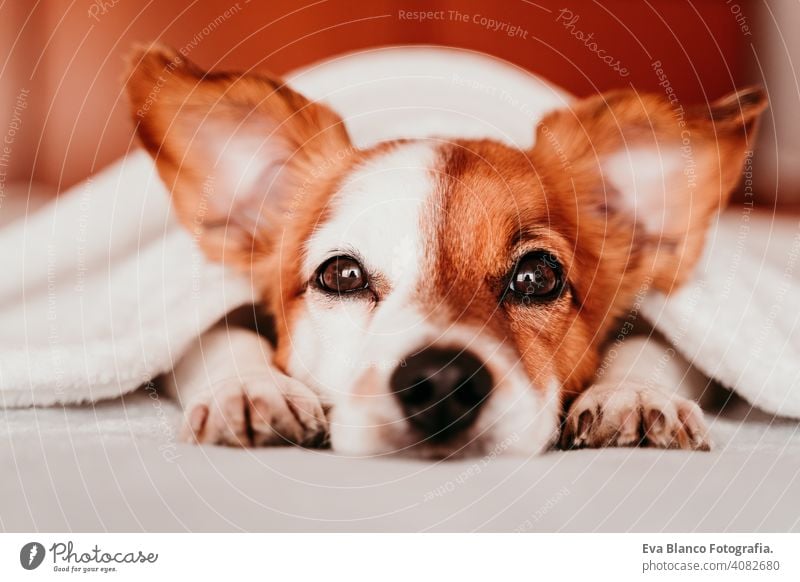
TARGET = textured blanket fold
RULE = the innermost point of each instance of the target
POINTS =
(102, 290)
(738, 319)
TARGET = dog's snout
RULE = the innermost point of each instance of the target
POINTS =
(441, 390)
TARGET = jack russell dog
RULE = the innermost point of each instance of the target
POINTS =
(516, 265)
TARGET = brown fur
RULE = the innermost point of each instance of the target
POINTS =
(491, 200)
(555, 198)
(177, 104)
(616, 258)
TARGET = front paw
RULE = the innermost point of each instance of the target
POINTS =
(270, 409)
(633, 415)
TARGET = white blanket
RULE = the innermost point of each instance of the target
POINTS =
(738, 319)
(102, 290)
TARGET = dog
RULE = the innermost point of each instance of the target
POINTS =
(434, 297)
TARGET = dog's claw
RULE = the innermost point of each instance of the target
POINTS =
(255, 412)
(633, 415)
(584, 424)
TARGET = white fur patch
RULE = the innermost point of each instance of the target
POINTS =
(375, 217)
(377, 214)
(645, 177)
(348, 348)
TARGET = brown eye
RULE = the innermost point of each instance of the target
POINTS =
(342, 275)
(537, 276)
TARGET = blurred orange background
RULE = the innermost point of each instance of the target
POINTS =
(66, 61)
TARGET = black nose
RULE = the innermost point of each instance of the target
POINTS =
(441, 390)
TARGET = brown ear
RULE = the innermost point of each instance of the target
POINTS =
(645, 164)
(234, 149)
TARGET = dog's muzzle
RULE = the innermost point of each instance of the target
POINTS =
(441, 391)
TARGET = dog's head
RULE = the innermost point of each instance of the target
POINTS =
(446, 295)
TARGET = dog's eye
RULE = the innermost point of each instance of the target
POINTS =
(342, 275)
(537, 275)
